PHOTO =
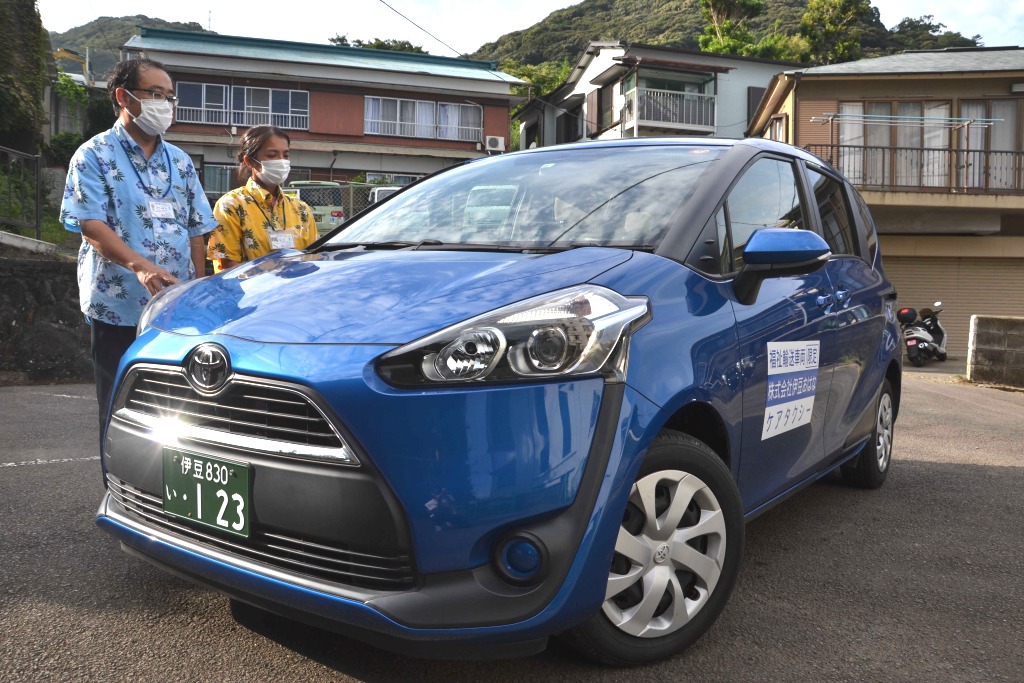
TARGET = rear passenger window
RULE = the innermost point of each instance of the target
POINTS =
(767, 196)
(836, 220)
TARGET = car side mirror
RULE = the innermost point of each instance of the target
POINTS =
(777, 252)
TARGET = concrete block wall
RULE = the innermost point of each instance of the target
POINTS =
(995, 350)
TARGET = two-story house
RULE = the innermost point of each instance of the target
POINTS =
(619, 90)
(935, 142)
(378, 114)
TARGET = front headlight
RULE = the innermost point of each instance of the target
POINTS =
(569, 332)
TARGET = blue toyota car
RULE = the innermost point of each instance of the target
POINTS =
(533, 395)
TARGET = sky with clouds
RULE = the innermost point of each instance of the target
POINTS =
(452, 27)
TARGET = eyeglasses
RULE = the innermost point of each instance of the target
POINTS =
(159, 96)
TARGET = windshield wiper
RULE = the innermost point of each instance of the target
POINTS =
(394, 244)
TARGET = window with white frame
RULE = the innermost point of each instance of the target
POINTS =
(262, 106)
(422, 119)
(202, 103)
(212, 103)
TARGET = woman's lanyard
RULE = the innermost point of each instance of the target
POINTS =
(271, 218)
(146, 188)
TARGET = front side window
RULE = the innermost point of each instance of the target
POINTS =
(767, 196)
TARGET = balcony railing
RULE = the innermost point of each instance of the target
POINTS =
(912, 169)
(223, 117)
(431, 131)
(670, 109)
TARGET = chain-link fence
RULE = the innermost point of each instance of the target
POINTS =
(21, 190)
(348, 198)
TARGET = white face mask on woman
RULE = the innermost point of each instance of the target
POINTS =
(156, 116)
(274, 171)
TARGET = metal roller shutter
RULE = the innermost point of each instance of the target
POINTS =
(965, 286)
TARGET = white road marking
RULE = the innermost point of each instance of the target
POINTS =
(40, 461)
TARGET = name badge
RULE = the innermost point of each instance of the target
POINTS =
(282, 240)
(161, 209)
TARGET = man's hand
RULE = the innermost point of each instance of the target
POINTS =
(153, 277)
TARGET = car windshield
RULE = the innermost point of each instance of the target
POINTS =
(610, 196)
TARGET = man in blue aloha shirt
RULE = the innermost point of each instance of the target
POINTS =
(137, 201)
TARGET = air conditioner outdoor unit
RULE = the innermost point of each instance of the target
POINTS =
(494, 143)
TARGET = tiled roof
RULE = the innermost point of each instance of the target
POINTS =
(952, 60)
(216, 45)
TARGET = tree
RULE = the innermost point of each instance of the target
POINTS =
(833, 28)
(924, 33)
(727, 32)
(23, 74)
(726, 19)
(541, 78)
(379, 44)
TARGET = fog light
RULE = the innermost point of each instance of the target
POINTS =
(521, 558)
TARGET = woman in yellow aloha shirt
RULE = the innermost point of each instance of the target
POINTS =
(258, 218)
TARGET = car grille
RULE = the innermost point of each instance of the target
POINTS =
(333, 563)
(244, 407)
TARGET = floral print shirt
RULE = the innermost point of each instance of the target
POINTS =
(251, 223)
(155, 206)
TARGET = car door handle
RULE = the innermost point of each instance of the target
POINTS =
(825, 300)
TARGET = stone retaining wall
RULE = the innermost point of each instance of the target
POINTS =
(43, 335)
(995, 350)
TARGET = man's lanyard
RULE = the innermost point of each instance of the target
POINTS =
(167, 155)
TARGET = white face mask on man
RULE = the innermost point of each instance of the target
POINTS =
(156, 115)
(274, 171)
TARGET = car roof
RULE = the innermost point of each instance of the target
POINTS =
(757, 143)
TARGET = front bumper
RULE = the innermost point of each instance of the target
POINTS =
(463, 605)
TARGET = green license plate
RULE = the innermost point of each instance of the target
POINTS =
(207, 490)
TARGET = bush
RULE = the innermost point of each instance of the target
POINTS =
(64, 145)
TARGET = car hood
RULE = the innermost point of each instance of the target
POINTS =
(370, 297)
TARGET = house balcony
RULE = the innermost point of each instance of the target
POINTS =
(915, 170)
(669, 112)
(224, 117)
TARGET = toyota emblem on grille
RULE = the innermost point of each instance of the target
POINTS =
(208, 367)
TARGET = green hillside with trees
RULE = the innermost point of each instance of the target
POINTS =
(681, 23)
(103, 37)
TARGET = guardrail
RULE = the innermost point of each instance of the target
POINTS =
(21, 193)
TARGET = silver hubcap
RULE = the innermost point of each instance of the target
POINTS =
(668, 556)
(883, 432)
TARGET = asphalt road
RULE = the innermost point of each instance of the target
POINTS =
(918, 581)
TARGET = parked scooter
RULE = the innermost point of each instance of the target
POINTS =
(924, 336)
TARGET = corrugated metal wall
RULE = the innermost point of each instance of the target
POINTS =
(965, 286)
(808, 133)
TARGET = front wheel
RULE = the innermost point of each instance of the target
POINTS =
(915, 357)
(676, 557)
(869, 469)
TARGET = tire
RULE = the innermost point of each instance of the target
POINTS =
(941, 356)
(671, 573)
(869, 469)
(916, 358)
